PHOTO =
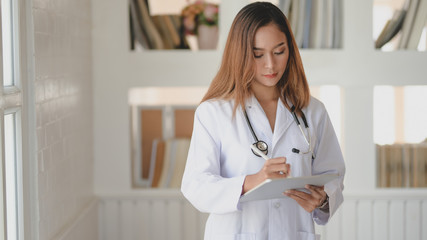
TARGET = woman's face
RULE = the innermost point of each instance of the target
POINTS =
(270, 54)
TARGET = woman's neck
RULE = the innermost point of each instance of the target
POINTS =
(265, 94)
(267, 98)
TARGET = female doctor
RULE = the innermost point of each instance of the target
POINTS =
(260, 96)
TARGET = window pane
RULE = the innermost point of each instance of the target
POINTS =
(415, 113)
(399, 114)
(11, 176)
(384, 115)
(6, 29)
(330, 95)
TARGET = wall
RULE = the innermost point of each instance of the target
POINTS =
(64, 112)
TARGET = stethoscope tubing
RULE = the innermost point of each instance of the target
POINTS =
(307, 137)
(250, 126)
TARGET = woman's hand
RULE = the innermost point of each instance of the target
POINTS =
(273, 168)
(309, 201)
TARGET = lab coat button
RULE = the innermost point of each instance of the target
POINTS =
(277, 205)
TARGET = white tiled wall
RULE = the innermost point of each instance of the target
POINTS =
(63, 91)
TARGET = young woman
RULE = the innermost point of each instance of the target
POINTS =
(260, 96)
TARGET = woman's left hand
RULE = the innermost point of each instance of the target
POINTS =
(309, 201)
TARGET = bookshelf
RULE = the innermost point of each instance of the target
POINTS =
(401, 164)
(357, 67)
(168, 24)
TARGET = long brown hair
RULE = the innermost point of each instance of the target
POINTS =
(236, 72)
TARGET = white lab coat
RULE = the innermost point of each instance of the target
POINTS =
(220, 157)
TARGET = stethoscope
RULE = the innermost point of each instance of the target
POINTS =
(263, 147)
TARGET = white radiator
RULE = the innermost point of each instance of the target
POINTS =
(165, 214)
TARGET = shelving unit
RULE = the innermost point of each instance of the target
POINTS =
(357, 67)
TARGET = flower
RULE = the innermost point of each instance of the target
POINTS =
(199, 13)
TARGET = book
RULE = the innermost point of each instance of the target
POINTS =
(274, 188)
(166, 170)
(407, 165)
(337, 24)
(163, 30)
(419, 164)
(147, 24)
(179, 160)
(316, 32)
(156, 164)
(396, 162)
(402, 165)
(294, 11)
(131, 30)
(411, 6)
(328, 24)
(391, 28)
(169, 158)
(419, 23)
(172, 29)
(388, 167)
(137, 30)
(307, 23)
(381, 166)
(285, 5)
(177, 23)
(300, 25)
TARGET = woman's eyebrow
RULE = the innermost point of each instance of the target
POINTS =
(278, 45)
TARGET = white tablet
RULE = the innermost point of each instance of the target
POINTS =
(274, 188)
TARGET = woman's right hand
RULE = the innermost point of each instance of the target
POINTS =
(273, 168)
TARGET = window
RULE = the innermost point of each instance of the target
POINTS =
(6, 29)
(12, 175)
(330, 95)
(10, 127)
(399, 114)
(162, 123)
(400, 134)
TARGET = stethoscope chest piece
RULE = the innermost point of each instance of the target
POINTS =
(259, 144)
(262, 146)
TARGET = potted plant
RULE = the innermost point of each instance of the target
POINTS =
(201, 19)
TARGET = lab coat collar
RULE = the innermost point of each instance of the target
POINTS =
(283, 120)
(259, 120)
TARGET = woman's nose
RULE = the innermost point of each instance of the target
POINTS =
(269, 61)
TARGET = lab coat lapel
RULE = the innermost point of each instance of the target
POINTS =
(284, 119)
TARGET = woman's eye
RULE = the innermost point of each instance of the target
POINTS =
(278, 53)
(258, 56)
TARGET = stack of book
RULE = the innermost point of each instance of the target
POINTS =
(154, 32)
(315, 23)
(406, 26)
(402, 165)
(168, 158)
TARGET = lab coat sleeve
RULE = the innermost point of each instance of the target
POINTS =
(329, 160)
(202, 183)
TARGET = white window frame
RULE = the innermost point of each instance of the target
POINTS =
(19, 99)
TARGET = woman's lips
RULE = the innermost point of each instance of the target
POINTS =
(273, 75)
